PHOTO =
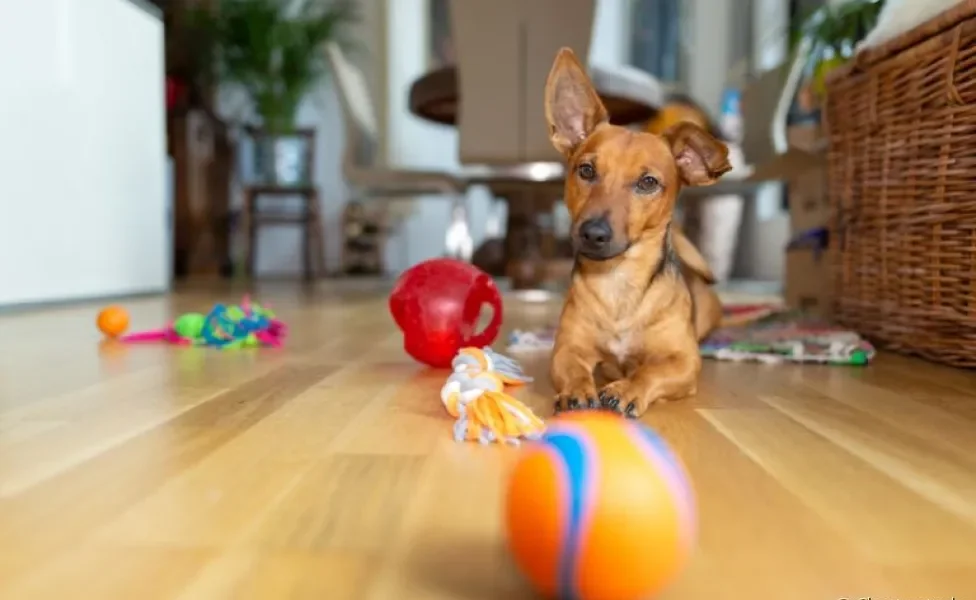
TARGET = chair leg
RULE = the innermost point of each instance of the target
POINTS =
(249, 228)
(318, 248)
(317, 243)
(307, 239)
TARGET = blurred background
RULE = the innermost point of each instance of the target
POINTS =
(150, 142)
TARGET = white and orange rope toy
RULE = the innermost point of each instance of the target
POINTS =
(475, 395)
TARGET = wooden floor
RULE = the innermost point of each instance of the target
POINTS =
(327, 470)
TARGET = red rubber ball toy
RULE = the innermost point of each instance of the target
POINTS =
(437, 303)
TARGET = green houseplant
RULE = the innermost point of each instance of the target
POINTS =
(831, 33)
(822, 40)
(273, 52)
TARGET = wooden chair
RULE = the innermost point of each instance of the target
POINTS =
(367, 174)
(257, 212)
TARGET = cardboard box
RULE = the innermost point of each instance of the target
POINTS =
(808, 201)
(807, 189)
(808, 137)
(808, 285)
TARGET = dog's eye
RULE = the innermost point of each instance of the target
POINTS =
(648, 184)
(586, 172)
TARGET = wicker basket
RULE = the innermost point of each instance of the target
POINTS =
(901, 124)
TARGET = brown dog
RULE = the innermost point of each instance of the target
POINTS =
(640, 299)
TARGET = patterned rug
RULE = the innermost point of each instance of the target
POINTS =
(756, 333)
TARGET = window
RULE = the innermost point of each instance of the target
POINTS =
(655, 43)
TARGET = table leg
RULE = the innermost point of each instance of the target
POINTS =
(318, 244)
(249, 228)
(307, 238)
(525, 243)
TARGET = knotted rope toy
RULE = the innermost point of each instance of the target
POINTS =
(475, 395)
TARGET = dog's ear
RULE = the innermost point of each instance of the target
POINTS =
(573, 107)
(701, 158)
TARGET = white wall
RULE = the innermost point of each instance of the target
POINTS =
(82, 151)
(610, 44)
(707, 52)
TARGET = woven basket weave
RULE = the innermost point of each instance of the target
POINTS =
(901, 126)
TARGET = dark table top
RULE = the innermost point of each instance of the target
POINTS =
(434, 97)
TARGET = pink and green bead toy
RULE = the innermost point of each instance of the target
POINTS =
(248, 325)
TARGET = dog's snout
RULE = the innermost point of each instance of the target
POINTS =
(595, 239)
(596, 232)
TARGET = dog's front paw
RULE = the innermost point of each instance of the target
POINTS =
(624, 398)
(576, 400)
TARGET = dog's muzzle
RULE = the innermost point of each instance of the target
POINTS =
(594, 239)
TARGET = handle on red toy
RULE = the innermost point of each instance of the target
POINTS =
(487, 294)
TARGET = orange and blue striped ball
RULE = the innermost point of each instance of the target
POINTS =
(600, 508)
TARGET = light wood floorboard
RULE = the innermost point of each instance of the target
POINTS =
(327, 470)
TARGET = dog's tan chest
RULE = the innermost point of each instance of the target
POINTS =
(623, 318)
(622, 341)
(622, 346)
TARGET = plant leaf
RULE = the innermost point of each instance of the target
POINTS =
(275, 54)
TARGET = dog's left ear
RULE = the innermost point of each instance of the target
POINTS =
(573, 106)
(701, 158)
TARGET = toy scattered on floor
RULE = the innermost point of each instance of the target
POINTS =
(112, 321)
(475, 394)
(247, 325)
(524, 342)
(437, 303)
(486, 360)
(600, 509)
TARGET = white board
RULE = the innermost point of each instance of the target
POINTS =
(84, 207)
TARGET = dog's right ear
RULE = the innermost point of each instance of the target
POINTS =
(573, 108)
(701, 158)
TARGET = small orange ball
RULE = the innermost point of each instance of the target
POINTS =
(113, 321)
(600, 509)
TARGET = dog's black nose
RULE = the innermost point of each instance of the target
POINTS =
(596, 232)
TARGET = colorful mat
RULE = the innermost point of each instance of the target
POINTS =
(786, 336)
(754, 333)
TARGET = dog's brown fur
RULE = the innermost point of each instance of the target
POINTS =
(636, 311)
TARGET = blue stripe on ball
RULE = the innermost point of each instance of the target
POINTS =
(577, 460)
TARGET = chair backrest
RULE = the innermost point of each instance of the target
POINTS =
(505, 49)
(359, 114)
